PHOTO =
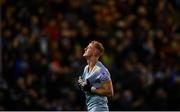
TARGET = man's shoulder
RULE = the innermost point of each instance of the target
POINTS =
(103, 68)
(101, 65)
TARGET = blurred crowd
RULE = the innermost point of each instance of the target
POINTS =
(42, 42)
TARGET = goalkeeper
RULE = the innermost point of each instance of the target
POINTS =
(95, 81)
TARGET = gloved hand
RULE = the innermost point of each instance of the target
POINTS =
(80, 82)
(84, 84)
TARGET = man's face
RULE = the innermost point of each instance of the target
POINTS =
(89, 50)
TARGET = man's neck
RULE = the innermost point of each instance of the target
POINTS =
(91, 62)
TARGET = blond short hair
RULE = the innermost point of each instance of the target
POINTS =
(98, 46)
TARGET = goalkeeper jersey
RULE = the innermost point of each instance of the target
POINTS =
(98, 75)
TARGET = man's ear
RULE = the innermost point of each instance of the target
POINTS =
(96, 53)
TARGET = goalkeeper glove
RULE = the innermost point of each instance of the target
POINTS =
(80, 82)
(84, 84)
(87, 86)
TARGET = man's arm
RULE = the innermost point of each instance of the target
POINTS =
(106, 89)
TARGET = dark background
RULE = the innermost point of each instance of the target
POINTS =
(42, 42)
